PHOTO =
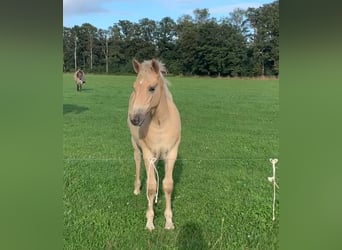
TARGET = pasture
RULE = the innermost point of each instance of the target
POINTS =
(221, 199)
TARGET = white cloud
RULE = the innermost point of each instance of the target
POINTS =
(79, 7)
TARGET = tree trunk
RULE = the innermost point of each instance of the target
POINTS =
(91, 53)
(106, 55)
(91, 59)
(75, 54)
(107, 64)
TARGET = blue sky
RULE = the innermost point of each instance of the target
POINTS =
(104, 13)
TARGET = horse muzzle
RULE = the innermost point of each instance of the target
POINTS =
(137, 119)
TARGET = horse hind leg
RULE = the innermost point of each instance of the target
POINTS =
(168, 188)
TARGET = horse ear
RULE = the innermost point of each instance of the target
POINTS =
(155, 66)
(136, 65)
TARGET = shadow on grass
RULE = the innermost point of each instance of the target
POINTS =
(72, 108)
(86, 89)
(177, 172)
(190, 237)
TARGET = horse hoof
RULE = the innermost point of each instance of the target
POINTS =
(149, 226)
(136, 192)
(169, 226)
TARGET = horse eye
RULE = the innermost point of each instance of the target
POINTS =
(151, 89)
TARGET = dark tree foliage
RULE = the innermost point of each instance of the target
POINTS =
(245, 43)
(265, 40)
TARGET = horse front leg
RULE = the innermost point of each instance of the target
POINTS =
(137, 160)
(151, 187)
(168, 187)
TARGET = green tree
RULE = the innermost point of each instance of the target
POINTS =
(201, 15)
(68, 48)
(208, 47)
(91, 34)
(104, 36)
(186, 45)
(239, 20)
(146, 40)
(166, 37)
(265, 41)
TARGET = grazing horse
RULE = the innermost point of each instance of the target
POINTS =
(79, 79)
(155, 127)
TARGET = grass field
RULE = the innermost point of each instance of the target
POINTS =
(222, 198)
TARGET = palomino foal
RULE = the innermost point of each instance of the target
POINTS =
(155, 127)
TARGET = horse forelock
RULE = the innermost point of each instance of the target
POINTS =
(146, 67)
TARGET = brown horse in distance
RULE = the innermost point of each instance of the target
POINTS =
(79, 78)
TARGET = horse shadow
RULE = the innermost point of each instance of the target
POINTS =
(190, 237)
(72, 108)
(86, 89)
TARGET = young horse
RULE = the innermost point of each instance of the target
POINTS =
(79, 79)
(155, 127)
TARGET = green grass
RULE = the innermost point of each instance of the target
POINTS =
(222, 198)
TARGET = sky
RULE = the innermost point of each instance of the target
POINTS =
(104, 13)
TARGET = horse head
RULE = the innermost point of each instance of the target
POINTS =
(147, 90)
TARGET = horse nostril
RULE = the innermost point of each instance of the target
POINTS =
(137, 120)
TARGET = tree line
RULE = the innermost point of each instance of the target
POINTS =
(245, 43)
